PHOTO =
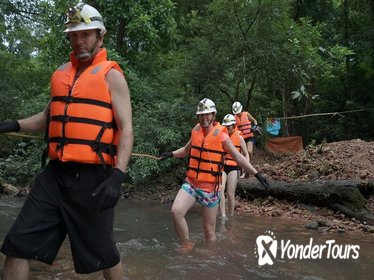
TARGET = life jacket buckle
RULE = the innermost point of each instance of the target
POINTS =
(95, 146)
(65, 118)
(60, 144)
(69, 99)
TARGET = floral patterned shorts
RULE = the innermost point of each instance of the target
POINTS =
(206, 199)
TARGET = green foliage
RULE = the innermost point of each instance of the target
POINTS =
(21, 166)
(21, 81)
(135, 27)
(159, 126)
(23, 91)
(279, 58)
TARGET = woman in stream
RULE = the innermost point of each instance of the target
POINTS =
(206, 149)
(231, 168)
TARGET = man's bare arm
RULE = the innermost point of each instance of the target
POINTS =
(121, 105)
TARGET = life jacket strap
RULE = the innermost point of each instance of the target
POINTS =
(96, 145)
(65, 119)
(71, 99)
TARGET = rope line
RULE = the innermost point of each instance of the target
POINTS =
(322, 114)
(145, 155)
(21, 135)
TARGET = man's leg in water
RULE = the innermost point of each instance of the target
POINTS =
(16, 269)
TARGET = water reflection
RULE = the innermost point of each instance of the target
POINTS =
(147, 242)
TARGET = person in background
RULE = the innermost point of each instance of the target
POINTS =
(88, 123)
(208, 144)
(231, 169)
(246, 124)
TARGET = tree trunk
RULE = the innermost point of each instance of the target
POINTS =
(346, 196)
(285, 129)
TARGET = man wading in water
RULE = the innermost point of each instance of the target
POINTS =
(90, 138)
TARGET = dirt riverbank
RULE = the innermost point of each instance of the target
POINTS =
(331, 161)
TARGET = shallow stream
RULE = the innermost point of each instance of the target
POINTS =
(149, 250)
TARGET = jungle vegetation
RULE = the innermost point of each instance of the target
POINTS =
(280, 59)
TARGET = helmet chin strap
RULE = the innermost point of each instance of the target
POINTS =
(87, 55)
(212, 120)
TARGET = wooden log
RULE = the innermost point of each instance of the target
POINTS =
(345, 196)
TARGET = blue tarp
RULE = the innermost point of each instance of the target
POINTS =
(273, 126)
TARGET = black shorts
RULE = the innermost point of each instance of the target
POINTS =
(60, 203)
(249, 139)
(228, 168)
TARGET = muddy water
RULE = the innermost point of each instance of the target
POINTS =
(149, 250)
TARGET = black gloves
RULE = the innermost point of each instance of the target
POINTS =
(9, 126)
(257, 129)
(262, 180)
(110, 190)
(166, 155)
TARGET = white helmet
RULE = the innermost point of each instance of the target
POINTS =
(228, 120)
(237, 108)
(206, 106)
(84, 17)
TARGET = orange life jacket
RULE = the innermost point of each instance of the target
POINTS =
(206, 155)
(244, 125)
(235, 139)
(81, 125)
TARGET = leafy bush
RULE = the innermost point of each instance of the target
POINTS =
(21, 167)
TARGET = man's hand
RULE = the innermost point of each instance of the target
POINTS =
(9, 126)
(110, 190)
(166, 155)
(262, 180)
